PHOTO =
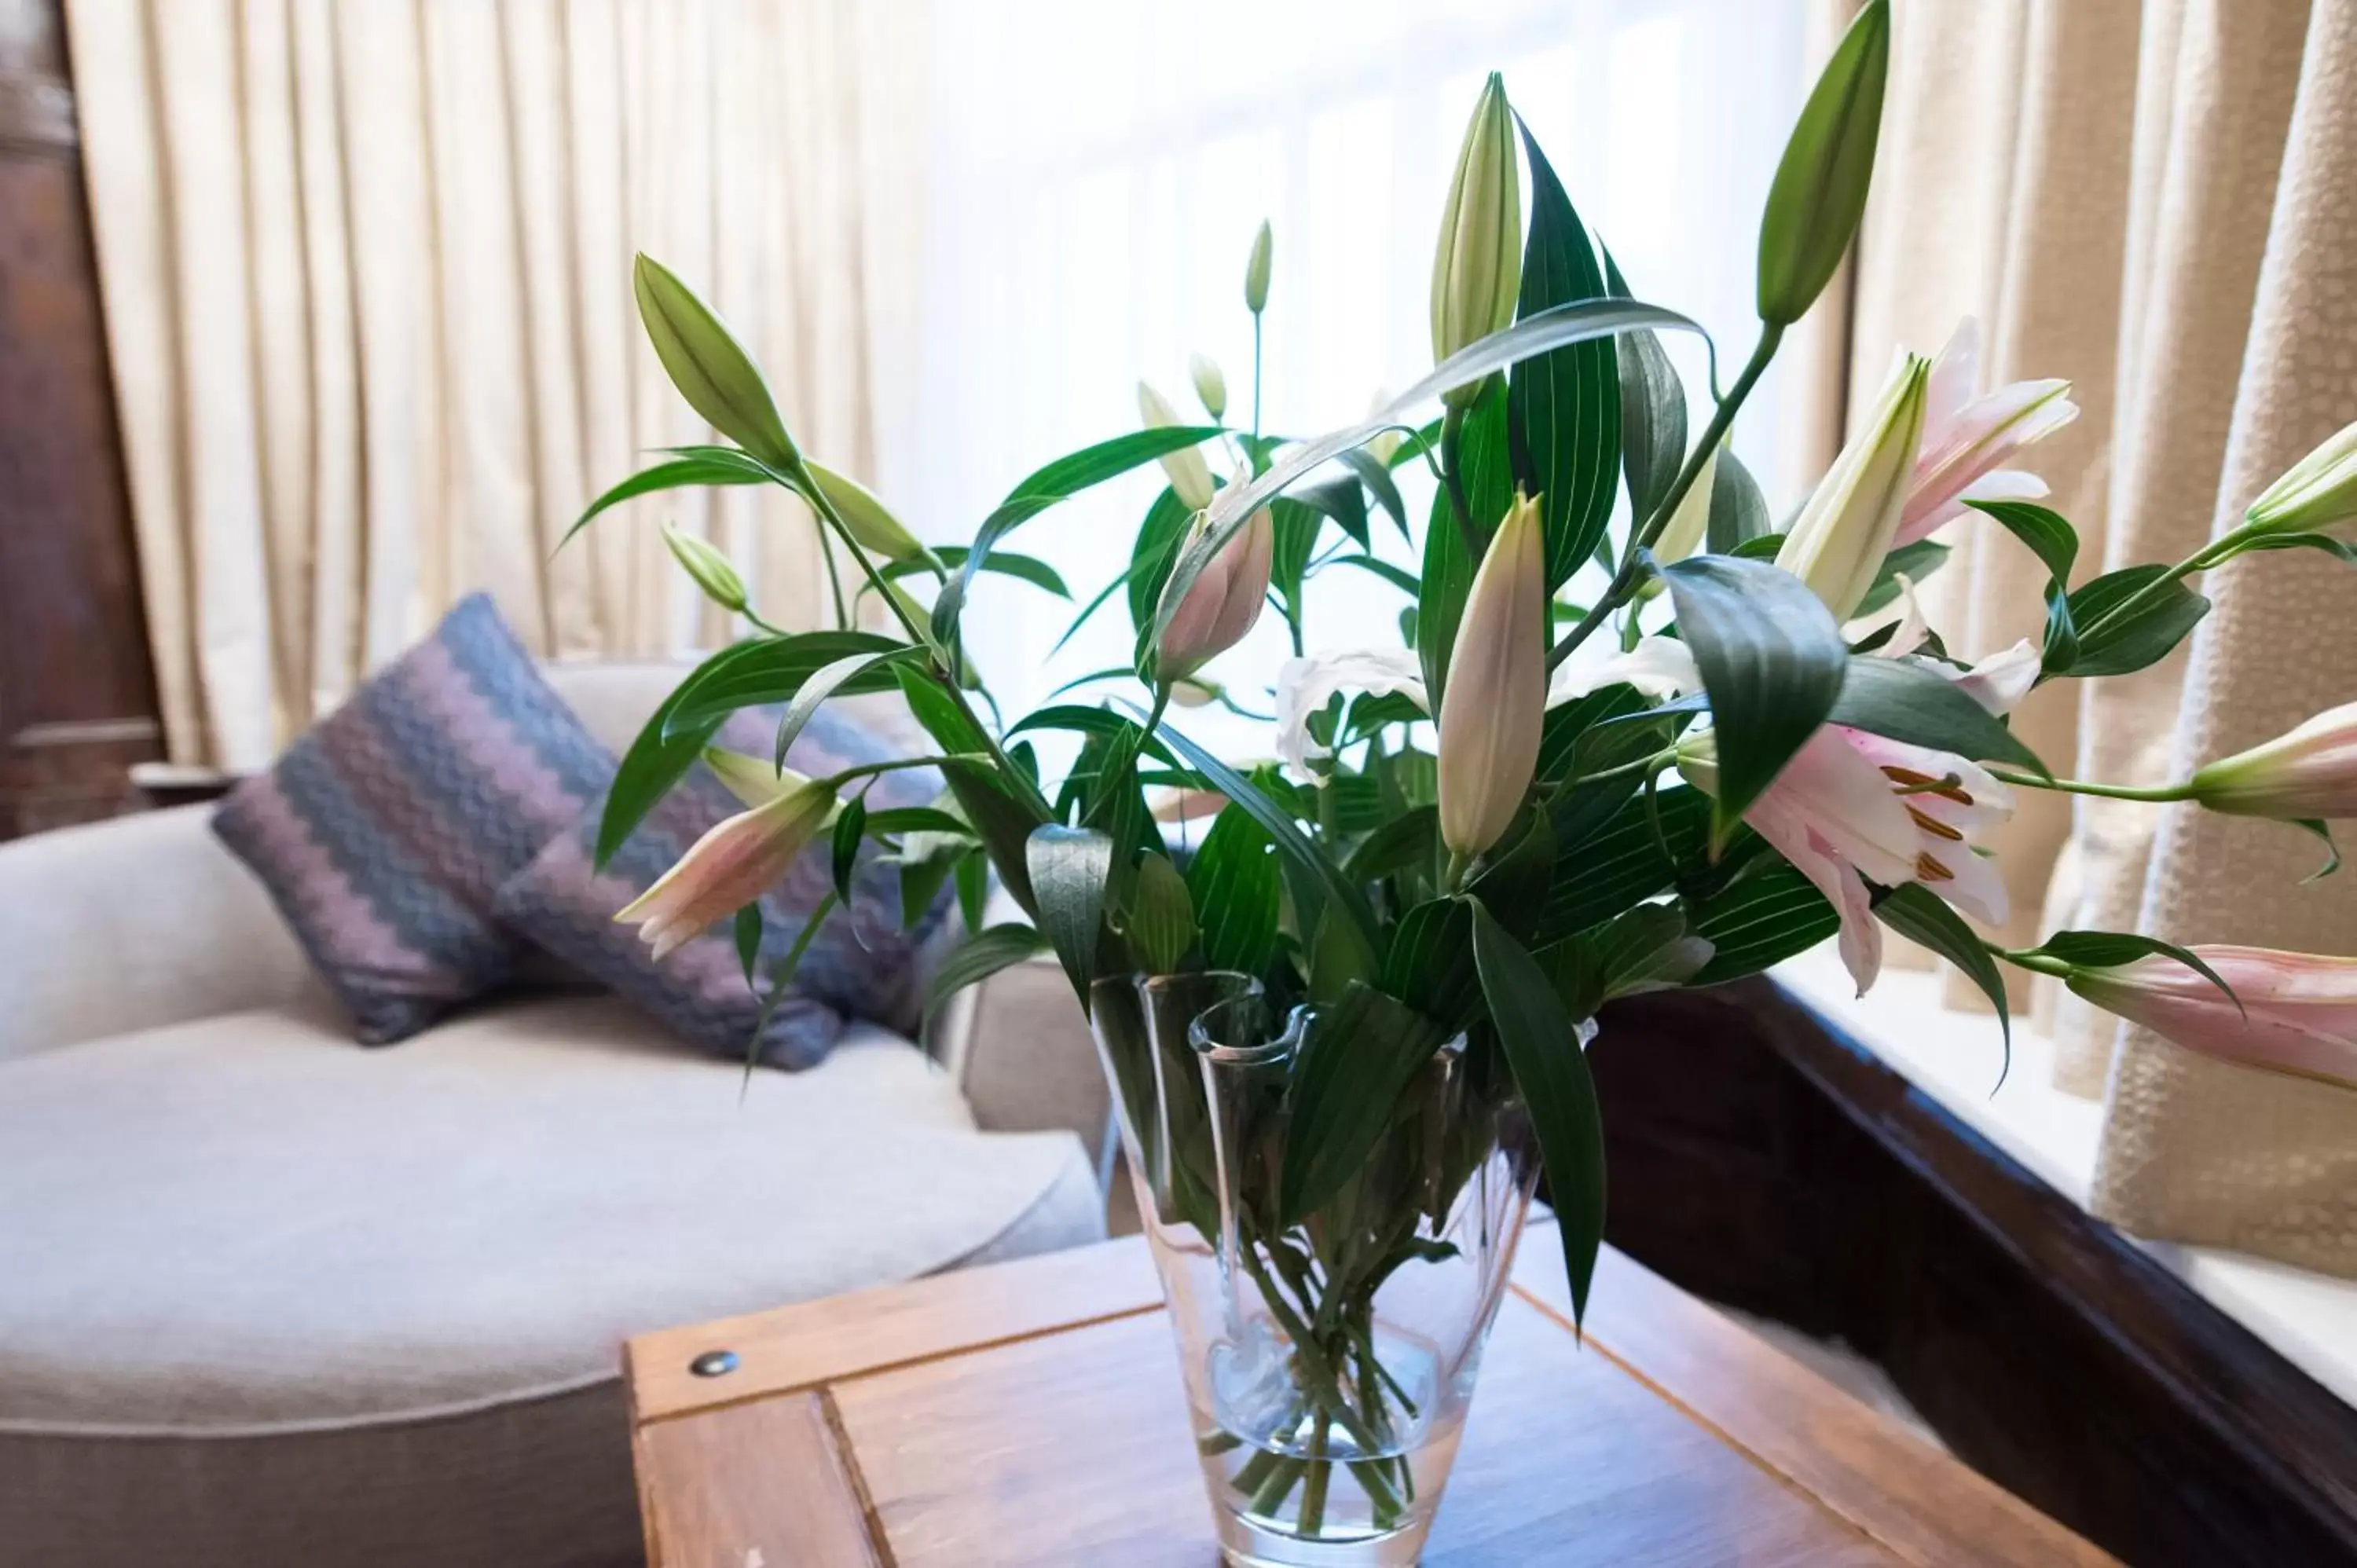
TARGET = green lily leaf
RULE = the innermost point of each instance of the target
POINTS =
(1069, 868)
(678, 473)
(1739, 513)
(1356, 1062)
(1235, 888)
(1771, 659)
(1652, 411)
(2144, 636)
(1921, 915)
(761, 671)
(980, 957)
(1906, 702)
(1916, 562)
(1759, 919)
(850, 827)
(1580, 322)
(1543, 1048)
(1565, 402)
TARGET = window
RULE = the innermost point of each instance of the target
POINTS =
(1096, 174)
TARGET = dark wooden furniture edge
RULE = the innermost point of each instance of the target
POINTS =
(1763, 1158)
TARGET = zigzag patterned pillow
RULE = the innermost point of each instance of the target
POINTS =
(861, 964)
(385, 832)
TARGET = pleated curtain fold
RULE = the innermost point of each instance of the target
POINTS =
(2156, 198)
(366, 273)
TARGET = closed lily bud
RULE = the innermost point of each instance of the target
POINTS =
(1690, 524)
(1846, 528)
(1477, 268)
(1819, 191)
(1209, 385)
(1384, 444)
(1191, 476)
(709, 367)
(1257, 271)
(703, 561)
(753, 780)
(868, 519)
(2307, 773)
(1222, 604)
(2291, 1012)
(728, 868)
(1495, 699)
(2315, 493)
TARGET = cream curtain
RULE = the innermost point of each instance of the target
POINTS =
(2159, 199)
(366, 272)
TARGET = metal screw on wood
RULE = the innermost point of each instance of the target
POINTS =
(714, 1364)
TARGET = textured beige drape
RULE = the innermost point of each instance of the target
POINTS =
(366, 273)
(2156, 198)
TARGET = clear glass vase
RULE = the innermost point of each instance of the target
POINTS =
(1330, 1357)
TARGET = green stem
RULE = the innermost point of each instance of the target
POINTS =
(1313, 1488)
(1255, 315)
(1017, 779)
(2084, 787)
(2036, 962)
(1274, 1491)
(1624, 582)
(837, 781)
(834, 581)
(1452, 471)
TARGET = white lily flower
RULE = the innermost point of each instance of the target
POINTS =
(1305, 685)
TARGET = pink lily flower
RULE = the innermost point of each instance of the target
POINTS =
(728, 868)
(1852, 807)
(1967, 440)
(2299, 1012)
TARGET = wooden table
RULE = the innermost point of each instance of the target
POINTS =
(1030, 1413)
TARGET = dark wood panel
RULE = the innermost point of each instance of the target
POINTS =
(77, 694)
(1762, 1159)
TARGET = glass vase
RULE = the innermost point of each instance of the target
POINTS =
(1330, 1357)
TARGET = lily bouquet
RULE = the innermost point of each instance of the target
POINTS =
(1344, 1027)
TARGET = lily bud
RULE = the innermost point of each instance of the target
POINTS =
(1209, 385)
(1819, 191)
(1846, 528)
(728, 868)
(712, 571)
(2308, 773)
(1384, 443)
(709, 367)
(753, 780)
(1257, 271)
(1495, 700)
(2317, 492)
(2291, 1012)
(1477, 268)
(868, 519)
(1690, 524)
(1222, 605)
(1191, 476)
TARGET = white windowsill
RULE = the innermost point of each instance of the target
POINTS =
(1954, 1057)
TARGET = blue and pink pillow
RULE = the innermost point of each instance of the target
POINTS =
(431, 837)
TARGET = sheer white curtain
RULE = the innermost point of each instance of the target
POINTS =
(1097, 173)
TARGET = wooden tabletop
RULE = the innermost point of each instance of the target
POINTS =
(1030, 1413)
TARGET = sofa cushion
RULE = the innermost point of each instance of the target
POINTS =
(255, 1286)
(863, 964)
(385, 829)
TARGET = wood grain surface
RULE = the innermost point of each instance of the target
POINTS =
(1031, 1414)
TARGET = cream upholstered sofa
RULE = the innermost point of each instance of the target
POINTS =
(268, 1296)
